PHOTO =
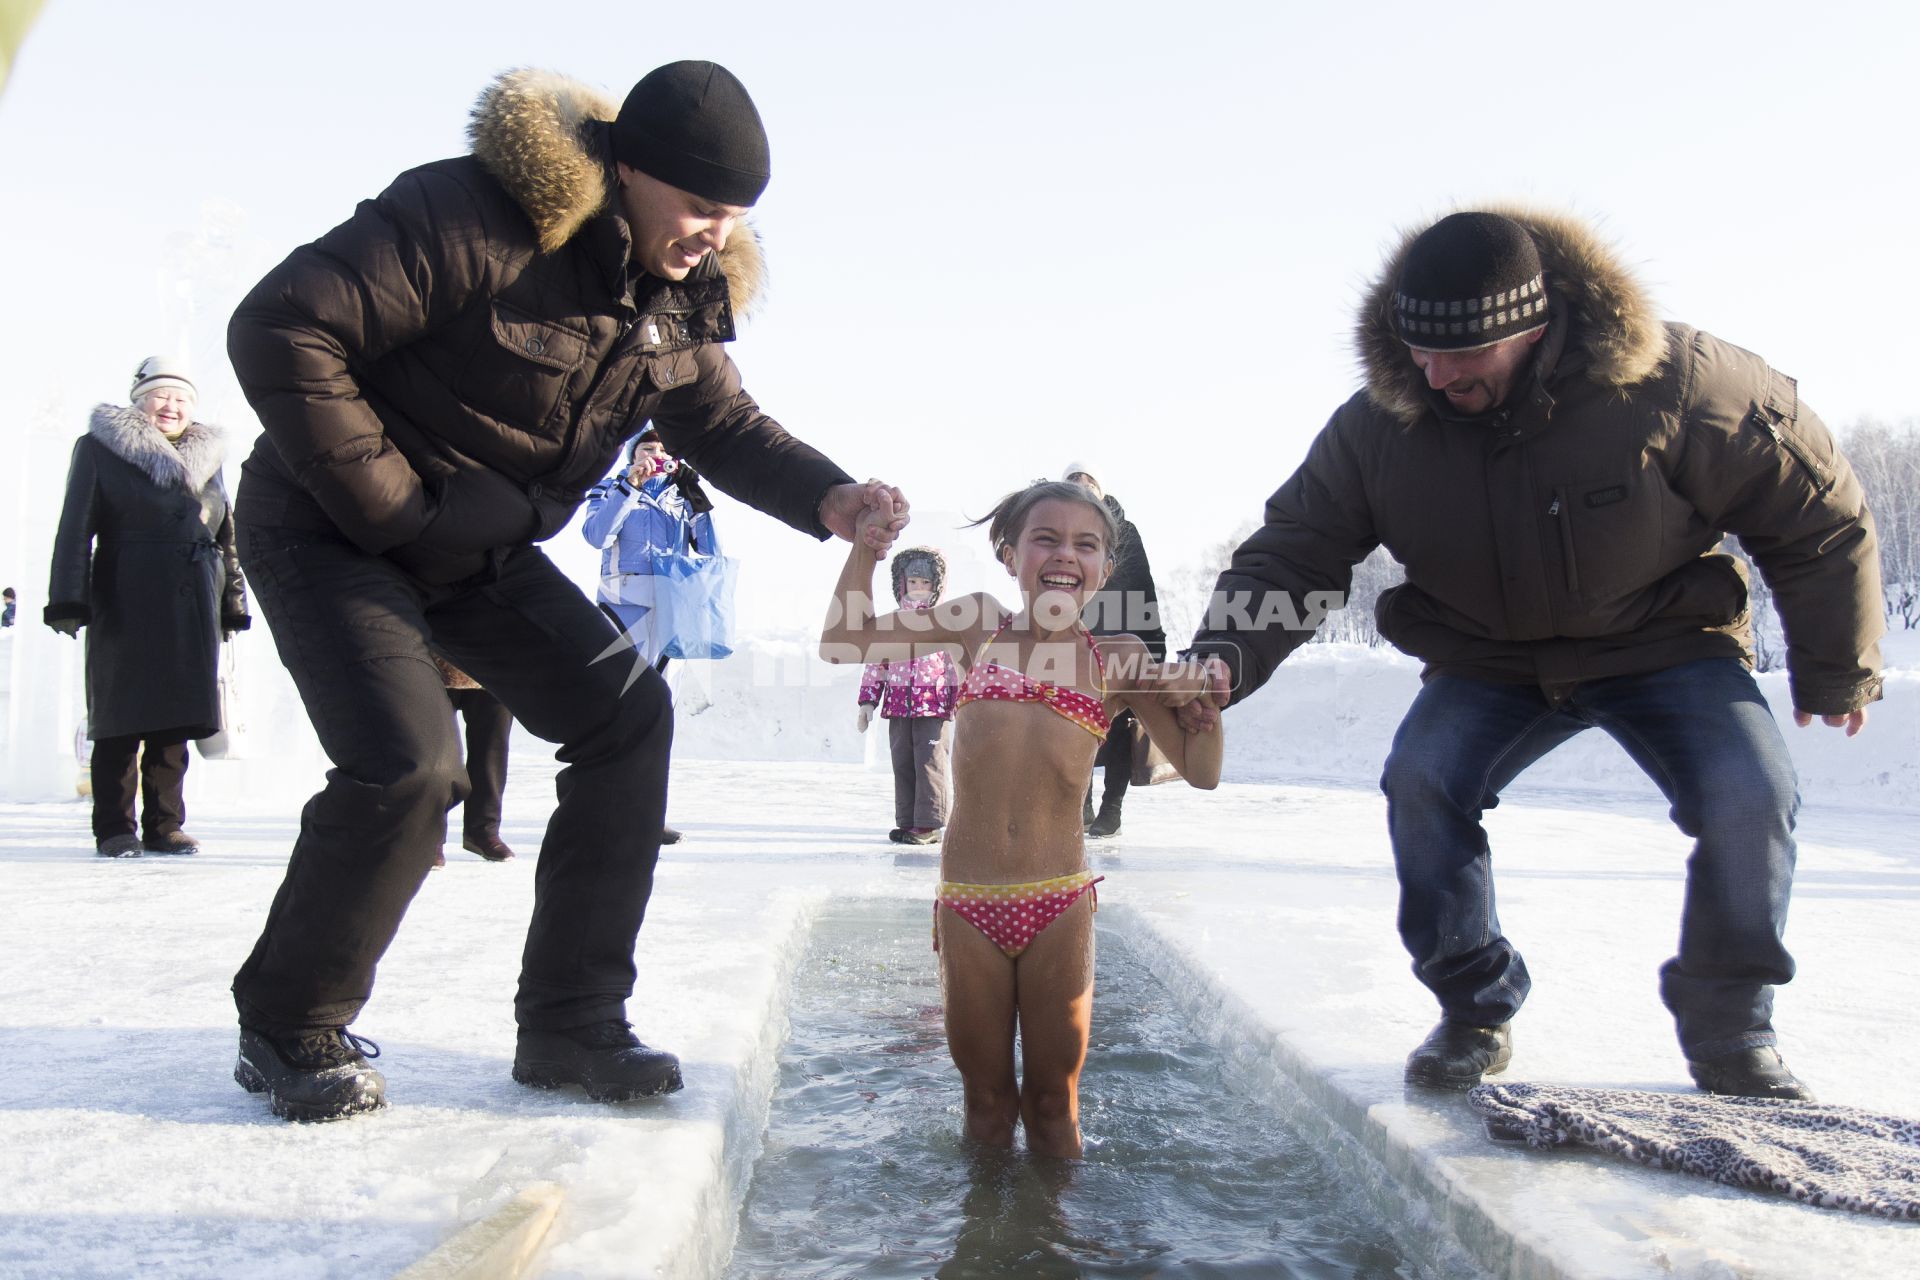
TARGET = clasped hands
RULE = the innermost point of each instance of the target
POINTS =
(1196, 689)
(872, 514)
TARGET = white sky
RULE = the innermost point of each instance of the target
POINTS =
(1004, 236)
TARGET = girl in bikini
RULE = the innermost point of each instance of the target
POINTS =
(1013, 919)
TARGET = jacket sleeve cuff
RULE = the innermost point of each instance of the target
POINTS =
(1229, 652)
(1831, 700)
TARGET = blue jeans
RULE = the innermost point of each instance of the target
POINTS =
(1705, 736)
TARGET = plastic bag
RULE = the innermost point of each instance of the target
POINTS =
(694, 595)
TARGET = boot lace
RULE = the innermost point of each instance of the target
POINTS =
(334, 1047)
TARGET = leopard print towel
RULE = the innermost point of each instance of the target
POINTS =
(1834, 1157)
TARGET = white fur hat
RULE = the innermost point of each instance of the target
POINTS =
(1080, 469)
(156, 372)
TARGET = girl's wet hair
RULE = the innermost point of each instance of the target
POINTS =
(1008, 519)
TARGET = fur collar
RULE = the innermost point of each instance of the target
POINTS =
(534, 132)
(1613, 335)
(189, 462)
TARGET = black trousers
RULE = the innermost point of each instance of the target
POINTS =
(488, 726)
(159, 774)
(353, 631)
(1116, 758)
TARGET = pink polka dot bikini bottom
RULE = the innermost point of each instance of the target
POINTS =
(1012, 915)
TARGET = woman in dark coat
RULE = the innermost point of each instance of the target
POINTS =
(144, 559)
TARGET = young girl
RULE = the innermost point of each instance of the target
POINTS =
(1013, 919)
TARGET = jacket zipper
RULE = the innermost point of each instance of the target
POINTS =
(1558, 511)
(1822, 482)
(572, 447)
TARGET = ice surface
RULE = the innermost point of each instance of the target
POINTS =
(127, 1145)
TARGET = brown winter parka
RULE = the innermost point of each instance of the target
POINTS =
(1571, 533)
(445, 373)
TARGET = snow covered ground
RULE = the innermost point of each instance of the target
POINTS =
(1269, 905)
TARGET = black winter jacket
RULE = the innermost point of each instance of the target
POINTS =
(1129, 602)
(1573, 533)
(445, 373)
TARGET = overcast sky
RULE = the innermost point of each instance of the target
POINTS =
(1001, 236)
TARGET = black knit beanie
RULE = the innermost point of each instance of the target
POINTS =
(1469, 280)
(692, 126)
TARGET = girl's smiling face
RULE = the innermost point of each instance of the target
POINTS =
(1060, 557)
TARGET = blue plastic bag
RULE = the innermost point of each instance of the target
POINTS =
(694, 592)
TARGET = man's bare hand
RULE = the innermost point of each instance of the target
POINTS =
(1203, 713)
(884, 507)
(1853, 722)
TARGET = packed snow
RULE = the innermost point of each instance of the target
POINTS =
(1269, 904)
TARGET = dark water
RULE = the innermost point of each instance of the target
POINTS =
(866, 1172)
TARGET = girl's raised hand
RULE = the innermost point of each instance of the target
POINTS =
(875, 528)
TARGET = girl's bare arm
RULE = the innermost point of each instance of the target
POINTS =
(854, 633)
(1152, 690)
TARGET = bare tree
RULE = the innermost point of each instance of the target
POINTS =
(1183, 602)
(1769, 642)
(1354, 624)
(1887, 461)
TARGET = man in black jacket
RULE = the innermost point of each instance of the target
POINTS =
(1127, 603)
(440, 378)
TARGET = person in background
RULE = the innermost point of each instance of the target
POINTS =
(438, 380)
(916, 699)
(7, 604)
(1128, 604)
(1556, 467)
(640, 518)
(144, 560)
(489, 725)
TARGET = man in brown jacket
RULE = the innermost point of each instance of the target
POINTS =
(1556, 468)
(440, 378)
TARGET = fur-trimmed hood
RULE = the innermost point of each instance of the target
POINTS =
(542, 137)
(1612, 333)
(189, 462)
(903, 559)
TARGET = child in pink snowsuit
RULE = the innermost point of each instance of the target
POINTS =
(917, 700)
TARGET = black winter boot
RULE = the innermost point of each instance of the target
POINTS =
(1107, 823)
(1086, 808)
(322, 1076)
(1750, 1073)
(1456, 1054)
(604, 1058)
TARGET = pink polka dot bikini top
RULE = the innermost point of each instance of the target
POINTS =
(990, 681)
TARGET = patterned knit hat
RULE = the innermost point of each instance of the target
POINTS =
(1470, 280)
(919, 562)
(158, 372)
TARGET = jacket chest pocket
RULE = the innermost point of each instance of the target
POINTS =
(1608, 529)
(524, 374)
(671, 370)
